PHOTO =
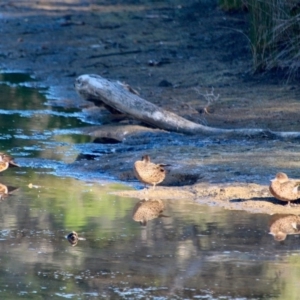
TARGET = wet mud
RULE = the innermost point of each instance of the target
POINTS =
(188, 58)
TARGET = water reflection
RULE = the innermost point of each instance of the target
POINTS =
(195, 249)
(282, 225)
(27, 125)
(5, 190)
(146, 210)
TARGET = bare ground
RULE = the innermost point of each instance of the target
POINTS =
(186, 56)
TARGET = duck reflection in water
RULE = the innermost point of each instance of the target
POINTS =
(6, 161)
(73, 238)
(5, 190)
(146, 210)
(283, 224)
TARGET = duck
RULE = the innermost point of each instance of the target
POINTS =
(284, 188)
(73, 238)
(6, 161)
(148, 172)
(283, 224)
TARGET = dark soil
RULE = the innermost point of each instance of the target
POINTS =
(188, 57)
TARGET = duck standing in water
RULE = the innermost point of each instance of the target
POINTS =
(285, 189)
(148, 172)
(6, 161)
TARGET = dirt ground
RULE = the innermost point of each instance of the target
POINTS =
(188, 57)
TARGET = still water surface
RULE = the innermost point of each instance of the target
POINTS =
(188, 252)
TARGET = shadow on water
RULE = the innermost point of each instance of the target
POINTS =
(182, 251)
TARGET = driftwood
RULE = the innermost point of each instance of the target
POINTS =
(116, 96)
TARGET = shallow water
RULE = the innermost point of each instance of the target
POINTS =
(189, 252)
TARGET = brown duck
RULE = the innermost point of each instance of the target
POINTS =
(73, 238)
(6, 161)
(146, 210)
(281, 225)
(285, 189)
(148, 172)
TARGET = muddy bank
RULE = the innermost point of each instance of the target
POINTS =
(253, 198)
(187, 58)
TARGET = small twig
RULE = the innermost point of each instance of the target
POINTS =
(210, 98)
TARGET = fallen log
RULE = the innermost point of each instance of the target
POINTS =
(114, 95)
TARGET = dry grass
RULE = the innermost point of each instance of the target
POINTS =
(274, 33)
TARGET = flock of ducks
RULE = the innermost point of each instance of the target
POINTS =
(149, 173)
(281, 187)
